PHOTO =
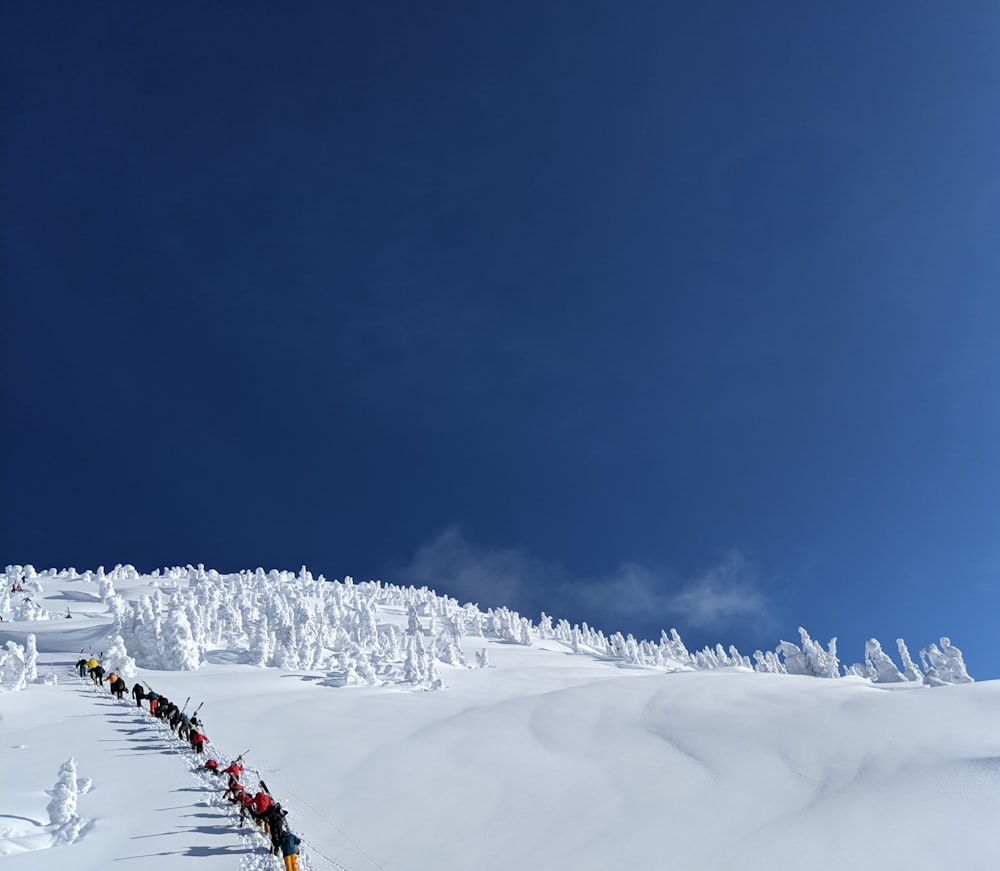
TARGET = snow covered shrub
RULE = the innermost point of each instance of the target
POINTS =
(62, 809)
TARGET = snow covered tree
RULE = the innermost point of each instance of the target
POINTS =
(117, 659)
(524, 635)
(911, 671)
(30, 659)
(820, 662)
(180, 652)
(881, 669)
(261, 646)
(148, 634)
(944, 665)
(106, 588)
(412, 622)
(794, 660)
(957, 672)
(62, 808)
(12, 670)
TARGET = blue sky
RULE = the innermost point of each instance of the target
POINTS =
(674, 314)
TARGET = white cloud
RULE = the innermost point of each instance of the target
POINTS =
(719, 597)
(471, 573)
(723, 595)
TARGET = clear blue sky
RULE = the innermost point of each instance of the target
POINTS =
(647, 314)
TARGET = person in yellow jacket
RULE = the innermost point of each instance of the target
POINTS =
(92, 663)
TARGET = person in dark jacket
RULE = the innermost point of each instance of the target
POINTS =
(97, 674)
(81, 666)
(276, 824)
(138, 693)
(118, 688)
(290, 850)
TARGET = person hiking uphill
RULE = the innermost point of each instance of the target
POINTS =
(246, 807)
(81, 666)
(118, 688)
(153, 699)
(138, 693)
(290, 850)
(235, 769)
(198, 740)
(97, 674)
(234, 792)
(276, 823)
(259, 805)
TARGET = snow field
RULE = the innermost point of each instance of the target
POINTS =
(547, 759)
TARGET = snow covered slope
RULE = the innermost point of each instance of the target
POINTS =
(546, 759)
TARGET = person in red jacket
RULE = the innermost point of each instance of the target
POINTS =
(235, 769)
(213, 766)
(258, 807)
(198, 741)
(234, 792)
(246, 807)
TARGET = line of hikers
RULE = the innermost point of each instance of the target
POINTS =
(260, 806)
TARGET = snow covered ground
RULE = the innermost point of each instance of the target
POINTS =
(546, 759)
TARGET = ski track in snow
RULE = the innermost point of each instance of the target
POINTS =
(254, 845)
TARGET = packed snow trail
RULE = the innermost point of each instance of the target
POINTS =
(148, 806)
(255, 851)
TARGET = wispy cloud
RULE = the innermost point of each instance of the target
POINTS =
(477, 574)
(721, 596)
(717, 598)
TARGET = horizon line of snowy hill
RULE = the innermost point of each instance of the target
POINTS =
(373, 633)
